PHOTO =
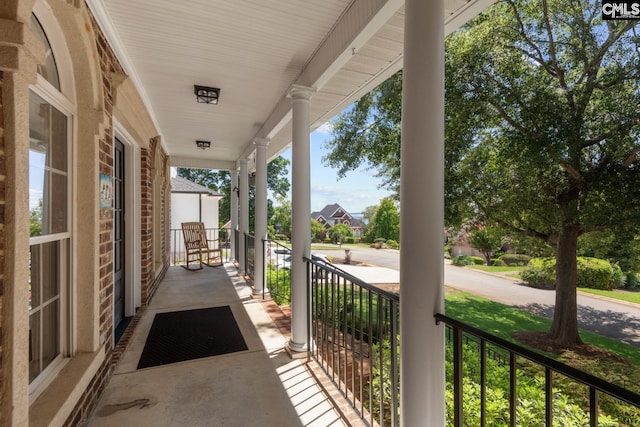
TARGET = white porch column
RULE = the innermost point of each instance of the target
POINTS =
(301, 215)
(243, 211)
(234, 212)
(259, 280)
(422, 355)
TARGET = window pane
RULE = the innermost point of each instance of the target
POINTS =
(47, 168)
(35, 279)
(50, 332)
(58, 203)
(38, 150)
(49, 70)
(50, 274)
(34, 345)
(58, 140)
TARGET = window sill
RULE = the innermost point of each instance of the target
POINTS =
(56, 403)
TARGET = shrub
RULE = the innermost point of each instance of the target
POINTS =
(618, 277)
(350, 239)
(516, 260)
(497, 262)
(567, 396)
(392, 244)
(462, 260)
(541, 273)
(283, 237)
(477, 260)
(631, 281)
(279, 284)
(593, 273)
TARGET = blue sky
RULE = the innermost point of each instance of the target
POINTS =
(354, 192)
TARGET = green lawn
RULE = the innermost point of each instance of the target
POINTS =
(633, 297)
(325, 247)
(502, 320)
(494, 269)
(628, 296)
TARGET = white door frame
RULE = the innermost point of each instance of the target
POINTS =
(132, 244)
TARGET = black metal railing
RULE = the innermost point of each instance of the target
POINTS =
(178, 253)
(236, 248)
(250, 254)
(354, 337)
(278, 272)
(550, 383)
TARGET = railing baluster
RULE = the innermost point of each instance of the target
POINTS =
(370, 342)
(548, 396)
(483, 383)
(457, 378)
(593, 407)
(395, 404)
(353, 340)
(361, 338)
(513, 392)
(333, 326)
(380, 359)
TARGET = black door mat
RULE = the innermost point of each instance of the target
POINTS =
(192, 334)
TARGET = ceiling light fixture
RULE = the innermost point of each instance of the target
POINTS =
(206, 95)
(203, 145)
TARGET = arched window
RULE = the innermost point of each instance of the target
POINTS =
(50, 220)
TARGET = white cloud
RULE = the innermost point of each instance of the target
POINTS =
(325, 129)
(35, 195)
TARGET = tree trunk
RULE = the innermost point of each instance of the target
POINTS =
(487, 257)
(564, 329)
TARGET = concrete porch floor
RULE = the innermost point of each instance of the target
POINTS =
(261, 386)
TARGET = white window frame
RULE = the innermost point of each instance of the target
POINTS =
(60, 101)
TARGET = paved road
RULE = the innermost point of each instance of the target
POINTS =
(607, 317)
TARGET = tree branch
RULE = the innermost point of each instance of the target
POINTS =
(574, 173)
(559, 72)
(632, 157)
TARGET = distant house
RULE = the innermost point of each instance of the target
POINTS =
(193, 202)
(334, 214)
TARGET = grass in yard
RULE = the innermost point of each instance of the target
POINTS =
(494, 269)
(502, 321)
(629, 296)
(325, 247)
(513, 272)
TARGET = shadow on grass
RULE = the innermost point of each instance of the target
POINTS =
(618, 326)
(599, 328)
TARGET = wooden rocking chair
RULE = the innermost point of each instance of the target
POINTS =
(198, 248)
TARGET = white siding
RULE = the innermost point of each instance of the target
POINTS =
(186, 208)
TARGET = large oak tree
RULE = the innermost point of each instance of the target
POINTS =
(542, 129)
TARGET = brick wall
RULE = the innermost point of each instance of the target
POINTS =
(3, 176)
(149, 279)
(146, 223)
(154, 172)
(109, 65)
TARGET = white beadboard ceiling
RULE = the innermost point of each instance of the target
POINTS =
(254, 51)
